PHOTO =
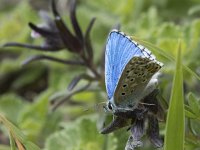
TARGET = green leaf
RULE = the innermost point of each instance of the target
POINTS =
(11, 28)
(121, 136)
(194, 104)
(11, 105)
(190, 114)
(33, 117)
(194, 10)
(81, 134)
(175, 126)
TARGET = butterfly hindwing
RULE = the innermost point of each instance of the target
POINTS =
(134, 79)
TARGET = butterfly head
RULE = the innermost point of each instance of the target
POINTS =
(110, 107)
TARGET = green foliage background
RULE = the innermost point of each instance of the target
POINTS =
(160, 22)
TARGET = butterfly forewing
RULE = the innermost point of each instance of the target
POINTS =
(134, 79)
(119, 50)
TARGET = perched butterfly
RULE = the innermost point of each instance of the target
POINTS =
(129, 72)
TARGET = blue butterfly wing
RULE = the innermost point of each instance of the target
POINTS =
(119, 51)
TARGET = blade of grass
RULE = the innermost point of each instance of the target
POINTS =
(17, 138)
(164, 54)
(175, 126)
(12, 142)
(154, 48)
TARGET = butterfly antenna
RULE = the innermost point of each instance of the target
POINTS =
(96, 107)
(148, 104)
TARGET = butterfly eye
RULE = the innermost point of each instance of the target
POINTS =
(110, 106)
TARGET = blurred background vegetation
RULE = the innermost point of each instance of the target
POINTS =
(35, 96)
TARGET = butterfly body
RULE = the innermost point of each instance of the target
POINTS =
(130, 72)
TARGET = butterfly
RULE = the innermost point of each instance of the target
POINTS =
(130, 72)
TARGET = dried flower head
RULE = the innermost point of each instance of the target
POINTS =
(147, 111)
